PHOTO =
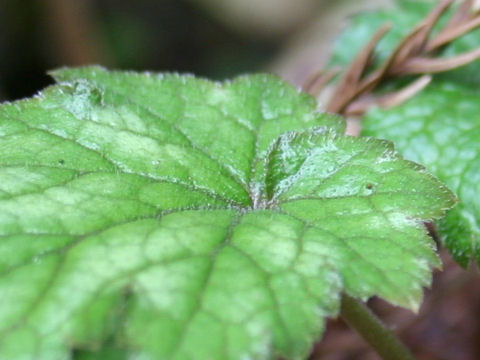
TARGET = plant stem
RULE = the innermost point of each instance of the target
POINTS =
(358, 316)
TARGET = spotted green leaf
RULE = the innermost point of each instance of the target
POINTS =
(160, 216)
(440, 128)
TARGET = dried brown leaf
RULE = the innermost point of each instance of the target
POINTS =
(316, 83)
(430, 22)
(462, 14)
(432, 65)
(413, 55)
(402, 51)
(453, 33)
(389, 100)
(347, 87)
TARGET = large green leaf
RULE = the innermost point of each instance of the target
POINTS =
(166, 217)
(440, 128)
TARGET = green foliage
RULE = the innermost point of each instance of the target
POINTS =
(160, 216)
(440, 128)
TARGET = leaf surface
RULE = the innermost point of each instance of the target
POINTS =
(159, 216)
(440, 128)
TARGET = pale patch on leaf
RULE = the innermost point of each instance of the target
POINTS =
(439, 128)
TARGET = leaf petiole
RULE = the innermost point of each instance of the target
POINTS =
(359, 317)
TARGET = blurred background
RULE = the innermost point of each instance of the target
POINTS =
(213, 38)
(220, 39)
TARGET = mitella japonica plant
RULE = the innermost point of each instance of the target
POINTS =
(163, 216)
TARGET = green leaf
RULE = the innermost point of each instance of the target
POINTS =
(439, 128)
(159, 216)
